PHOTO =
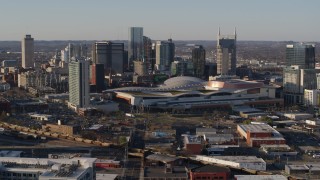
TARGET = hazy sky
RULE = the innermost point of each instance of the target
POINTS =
(296, 20)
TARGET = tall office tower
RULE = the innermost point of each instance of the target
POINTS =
(71, 50)
(165, 51)
(79, 93)
(135, 45)
(147, 46)
(153, 62)
(301, 54)
(65, 55)
(27, 51)
(97, 76)
(181, 67)
(295, 81)
(226, 54)
(199, 60)
(110, 54)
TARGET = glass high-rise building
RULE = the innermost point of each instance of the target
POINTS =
(301, 54)
(199, 60)
(165, 52)
(226, 54)
(110, 54)
(27, 51)
(79, 92)
(135, 45)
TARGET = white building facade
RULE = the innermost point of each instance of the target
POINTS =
(79, 92)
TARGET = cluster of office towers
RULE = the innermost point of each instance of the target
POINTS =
(143, 57)
(300, 73)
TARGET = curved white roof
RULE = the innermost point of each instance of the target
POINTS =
(175, 83)
(183, 81)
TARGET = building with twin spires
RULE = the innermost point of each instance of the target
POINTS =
(226, 54)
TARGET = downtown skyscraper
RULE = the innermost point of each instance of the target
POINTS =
(110, 54)
(135, 45)
(300, 73)
(199, 60)
(301, 54)
(226, 54)
(27, 51)
(165, 52)
(79, 92)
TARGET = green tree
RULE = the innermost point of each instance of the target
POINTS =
(266, 119)
(247, 121)
(122, 140)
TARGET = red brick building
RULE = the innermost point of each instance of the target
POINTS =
(106, 164)
(257, 134)
(209, 172)
(193, 144)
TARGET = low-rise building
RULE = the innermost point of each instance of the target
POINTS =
(167, 173)
(313, 122)
(163, 160)
(257, 134)
(193, 144)
(298, 116)
(31, 106)
(309, 149)
(310, 170)
(207, 131)
(218, 150)
(47, 169)
(278, 150)
(41, 117)
(219, 138)
(107, 163)
(239, 162)
(260, 177)
(209, 172)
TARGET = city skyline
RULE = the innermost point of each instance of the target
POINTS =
(102, 20)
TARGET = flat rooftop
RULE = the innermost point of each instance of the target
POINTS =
(298, 167)
(49, 167)
(305, 167)
(260, 177)
(192, 139)
(274, 146)
(257, 128)
(309, 148)
(210, 168)
(237, 159)
(162, 157)
(268, 138)
(206, 130)
(177, 172)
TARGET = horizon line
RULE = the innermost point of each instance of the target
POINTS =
(158, 40)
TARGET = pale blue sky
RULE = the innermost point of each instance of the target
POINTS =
(278, 20)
